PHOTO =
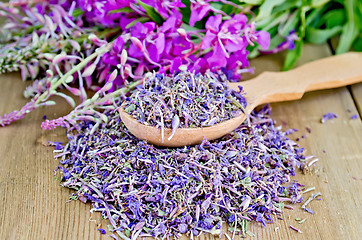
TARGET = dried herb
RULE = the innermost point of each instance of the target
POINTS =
(355, 116)
(313, 196)
(328, 116)
(295, 229)
(184, 100)
(148, 191)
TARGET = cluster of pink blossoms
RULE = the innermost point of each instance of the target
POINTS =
(140, 37)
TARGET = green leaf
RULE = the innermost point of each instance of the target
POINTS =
(334, 18)
(273, 20)
(252, 2)
(186, 11)
(122, 10)
(161, 213)
(141, 20)
(217, 5)
(228, 9)
(314, 17)
(350, 30)
(266, 8)
(188, 28)
(288, 5)
(77, 12)
(318, 36)
(291, 24)
(318, 3)
(357, 45)
(293, 56)
(302, 22)
(151, 12)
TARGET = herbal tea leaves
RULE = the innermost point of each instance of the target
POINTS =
(151, 191)
(184, 100)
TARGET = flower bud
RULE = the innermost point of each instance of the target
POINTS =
(137, 43)
(112, 76)
(58, 58)
(124, 56)
(89, 70)
(182, 32)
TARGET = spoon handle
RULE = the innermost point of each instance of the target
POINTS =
(331, 72)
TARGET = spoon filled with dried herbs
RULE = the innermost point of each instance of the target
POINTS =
(186, 108)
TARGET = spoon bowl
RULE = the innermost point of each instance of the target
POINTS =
(182, 136)
(331, 72)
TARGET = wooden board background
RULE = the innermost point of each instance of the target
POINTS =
(33, 205)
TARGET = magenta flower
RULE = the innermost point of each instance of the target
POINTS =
(287, 44)
(165, 8)
(263, 39)
(199, 9)
(118, 44)
(228, 37)
(172, 23)
(98, 11)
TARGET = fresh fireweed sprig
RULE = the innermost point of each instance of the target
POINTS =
(87, 110)
(145, 191)
(142, 43)
(52, 84)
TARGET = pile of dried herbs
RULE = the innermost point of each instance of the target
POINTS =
(184, 100)
(145, 190)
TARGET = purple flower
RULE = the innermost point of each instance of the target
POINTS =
(176, 63)
(118, 44)
(165, 8)
(141, 31)
(159, 230)
(182, 228)
(172, 23)
(263, 39)
(199, 9)
(179, 45)
(231, 37)
(98, 11)
(287, 44)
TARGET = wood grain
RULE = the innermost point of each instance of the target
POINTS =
(356, 91)
(34, 205)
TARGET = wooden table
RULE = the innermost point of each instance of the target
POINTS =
(33, 205)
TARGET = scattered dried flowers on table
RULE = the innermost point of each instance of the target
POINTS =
(184, 100)
(107, 47)
(148, 191)
(328, 116)
(355, 116)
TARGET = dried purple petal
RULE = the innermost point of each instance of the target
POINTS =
(308, 129)
(139, 185)
(184, 100)
(355, 116)
(328, 116)
(295, 229)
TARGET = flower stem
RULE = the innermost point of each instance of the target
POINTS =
(76, 68)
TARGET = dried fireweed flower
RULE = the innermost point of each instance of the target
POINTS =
(185, 100)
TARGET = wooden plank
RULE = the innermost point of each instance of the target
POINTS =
(338, 171)
(356, 91)
(34, 204)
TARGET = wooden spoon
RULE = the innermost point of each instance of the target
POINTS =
(330, 72)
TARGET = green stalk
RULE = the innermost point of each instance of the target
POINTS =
(76, 68)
